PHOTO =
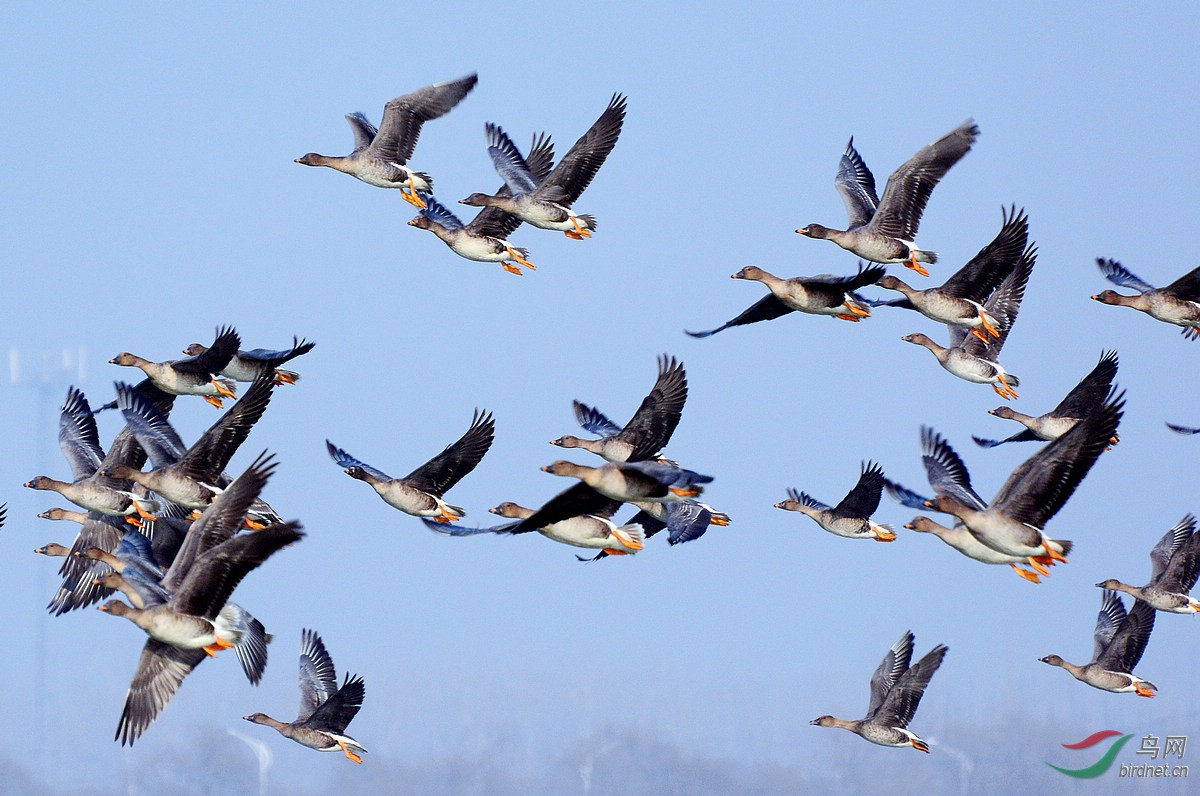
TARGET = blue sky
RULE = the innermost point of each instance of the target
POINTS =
(152, 196)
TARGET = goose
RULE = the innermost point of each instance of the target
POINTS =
(948, 475)
(1120, 641)
(815, 295)
(1178, 303)
(325, 709)
(1175, 566)
(593, 530)
(896, 691)
(1013, 522)
(546, 203)
(247, 365)
(851, 517)
(420, 492)
(194, 375)
(884, 230)
(968, 356)
(650, 428)
(1084, 398)
(959, 301)
(380, 155)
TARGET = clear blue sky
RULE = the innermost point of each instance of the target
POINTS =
(151, 196)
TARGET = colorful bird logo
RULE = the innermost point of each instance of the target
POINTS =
(1101, 765)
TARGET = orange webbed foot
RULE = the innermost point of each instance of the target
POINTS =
(145, 515)
(1032, 577)
(980, 335)
(848, 317)
(215, 401)
(512, 269)
(223, 390)
(284, 378)
(912, 263)
(689, 492)
(1142, 690)
(920, 745)
(132, 520)
(1037, 565)
(411, 196)
(987, 327)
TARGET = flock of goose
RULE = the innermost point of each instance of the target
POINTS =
(176, 539)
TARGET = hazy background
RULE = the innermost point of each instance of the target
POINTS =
(150, 196)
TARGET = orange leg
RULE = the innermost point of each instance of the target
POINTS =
(145, 515)
(284, 378)
(987, 327)
(980, 335)
(411, 196)
(1054, 554)
(513, 254)
(223, 390)
(689, 492)
(857, 310)
(581, 231)
(884, 535)
(253, 525)
(1041, 570)
(132, 520)
(847, 317)
(349, 754)
(920, 745)
(1141, 690)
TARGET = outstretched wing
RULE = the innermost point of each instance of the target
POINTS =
(346, 461)
(318, 677)
(1186, 287)
(509, 162)
(863, 499)
(986, 270)
(78, 438)
(341, 708)
(947, 473)
(767, 308)
(594, 421)
(446, 469)
(404, 116)
(651, 427)
(1121, 276)
(160, 671)
(893, 666)
(1088, 395)
(579, 166)
(901, 702)
(908, 189)
(1129, 640)
(856, 184)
